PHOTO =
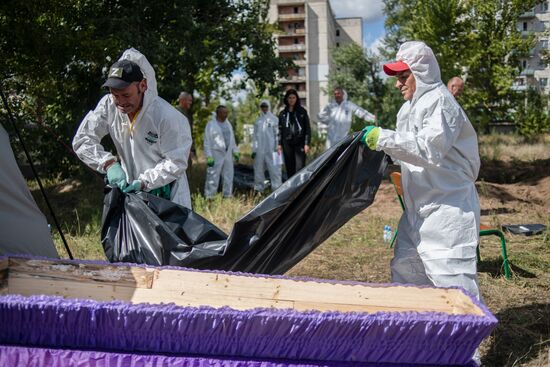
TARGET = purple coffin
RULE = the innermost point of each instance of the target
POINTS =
(299, 322)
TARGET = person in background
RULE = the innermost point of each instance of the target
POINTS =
(264, 144)
(437, 148)
(455, 86)
(337, 115)
(185, 101)
(220, 149)
(294, 132)
(151, 138)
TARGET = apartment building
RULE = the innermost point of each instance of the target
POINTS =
(535, 73)
(309, 32)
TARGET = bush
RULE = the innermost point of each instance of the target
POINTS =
(532, 118)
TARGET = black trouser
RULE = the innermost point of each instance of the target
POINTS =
(295, 158)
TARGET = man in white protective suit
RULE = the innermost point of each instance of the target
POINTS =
(152, 139)
(220, 149)
(264, 143)
(437, 148)
(337, 115)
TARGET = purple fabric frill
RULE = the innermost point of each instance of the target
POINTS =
(384, 337)
(38, 357)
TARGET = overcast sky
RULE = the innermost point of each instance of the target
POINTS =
(373, 18)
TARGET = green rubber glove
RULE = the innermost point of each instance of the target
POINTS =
(237, 156)
(116, 176)
(370, 136)
(253, 155)
(133, 187)
(210, 161)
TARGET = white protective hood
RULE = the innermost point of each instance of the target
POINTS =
(423, 65)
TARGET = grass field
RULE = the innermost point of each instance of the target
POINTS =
(514, 188)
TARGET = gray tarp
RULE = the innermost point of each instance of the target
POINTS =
(23, 227)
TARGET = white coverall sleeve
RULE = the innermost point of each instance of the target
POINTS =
(429, 145)
(233, 142)
(362, 113)
(175, 144)
(208, 141)
(255, 138)
(324, 115)
(87, 140)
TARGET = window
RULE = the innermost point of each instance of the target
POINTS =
(295, 10)
(296, 41)
(524, 64)
(544, 44)
(546, 25)
(543, 82)
(337, 44)
(545, 6)
(524, 26)
(337, 33)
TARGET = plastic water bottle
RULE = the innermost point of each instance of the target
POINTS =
(390, 234)
(386, 233)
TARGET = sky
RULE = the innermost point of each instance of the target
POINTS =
(373, 18)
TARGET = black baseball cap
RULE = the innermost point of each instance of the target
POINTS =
(122, 73)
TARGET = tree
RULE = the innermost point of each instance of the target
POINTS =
(476, 38)
(357, 71)
(55, 54)
(531, 121)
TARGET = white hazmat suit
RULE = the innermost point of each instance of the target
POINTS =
(154, 151)
(338, 118)
(437, 149)
(264, 144)
(215, 147)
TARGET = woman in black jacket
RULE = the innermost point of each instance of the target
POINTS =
(294, 132)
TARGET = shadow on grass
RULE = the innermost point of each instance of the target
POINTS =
(76, 202)
(522, 335)
(495, 269)
(498, 211)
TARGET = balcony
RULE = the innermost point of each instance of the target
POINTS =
(292, 16)
(528, 14)
(294, 33)
(291, 2)
(527, 72)
(293, 79)
(301, 63)
(526, 34)
(292, 48)
(519, 88)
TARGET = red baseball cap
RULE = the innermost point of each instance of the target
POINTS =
(393, 68)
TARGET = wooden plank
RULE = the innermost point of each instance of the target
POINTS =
(4, 276)
(312, 293)
(462, 302)
(26, 286)
(190, 288)
(135, 277)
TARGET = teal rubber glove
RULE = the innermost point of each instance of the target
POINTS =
(370, 136)
(116, 176)
(210, 161)
(133, 187)
(253, 155)
(237, 156)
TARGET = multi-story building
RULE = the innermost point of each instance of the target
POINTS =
(535, 72)
(309, 32)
